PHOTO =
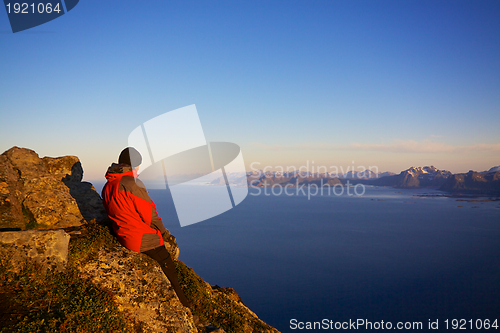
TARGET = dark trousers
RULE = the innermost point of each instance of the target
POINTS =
(162, 256)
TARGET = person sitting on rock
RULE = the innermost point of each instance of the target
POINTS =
(133, 214)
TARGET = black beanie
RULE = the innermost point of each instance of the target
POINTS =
(130, 156)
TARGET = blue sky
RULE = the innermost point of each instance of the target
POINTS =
(391, 84)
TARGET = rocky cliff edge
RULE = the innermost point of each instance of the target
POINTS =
(62, 269)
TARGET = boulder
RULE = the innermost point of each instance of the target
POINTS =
(66, 168)
(47, 248)
(140, 288)
(44, 193)
(69, 170)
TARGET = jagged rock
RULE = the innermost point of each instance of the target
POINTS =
(69, 170)
(44, 193)
(66, 168)
(48, 248)
(140, 288)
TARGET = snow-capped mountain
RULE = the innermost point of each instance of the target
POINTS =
(428, 176)
(494, 169)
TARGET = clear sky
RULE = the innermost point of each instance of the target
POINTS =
(392, 84)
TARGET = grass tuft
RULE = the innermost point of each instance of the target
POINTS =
(86, 247)
(56, 302)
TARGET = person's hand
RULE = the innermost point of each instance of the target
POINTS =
(167, 237)
(170, 244)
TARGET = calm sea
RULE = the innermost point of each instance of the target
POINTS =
(388, 255)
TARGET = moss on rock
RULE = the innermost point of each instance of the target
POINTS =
(220, 306)
(33, 301)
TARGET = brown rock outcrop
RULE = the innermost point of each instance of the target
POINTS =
(48, 193)
(141, 288)
(44, 193)
(48, 248)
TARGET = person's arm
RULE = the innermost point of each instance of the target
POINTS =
(156, 221)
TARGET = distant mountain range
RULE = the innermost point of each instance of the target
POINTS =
(486, 182)
(474, 182)
(367, 174)
(268, 178)
(427, 176)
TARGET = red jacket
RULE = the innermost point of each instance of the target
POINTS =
(132, 211)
